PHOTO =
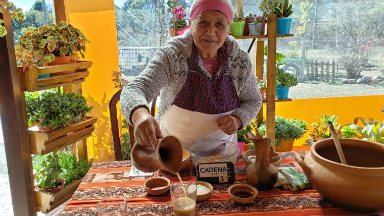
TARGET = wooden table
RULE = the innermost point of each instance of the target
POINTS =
(111, 179)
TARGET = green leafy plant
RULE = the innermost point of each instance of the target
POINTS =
(47, 169)
(349, 132)
(253, 18)
(177, 14)
(262, 84)
(284, 9)
(72, 169)
(125, 142)
(285, 129)
(373, 130)
(16, 14)
(268, 6)
(38, 47)
(285, 79)
(320, 130)
(55, 110)
(241, 134)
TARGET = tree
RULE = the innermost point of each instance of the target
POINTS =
(38, 6)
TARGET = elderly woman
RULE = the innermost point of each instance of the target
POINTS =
(206, 83)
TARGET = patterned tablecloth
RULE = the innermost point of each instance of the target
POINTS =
(111, 179)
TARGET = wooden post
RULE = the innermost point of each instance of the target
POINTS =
(327, 71)
(15, 127)
(59, 11)
(322, 70)
(316, 70)
(271, 77)
(259, 73)
(308, 75)
(312, 71)
(333, 72)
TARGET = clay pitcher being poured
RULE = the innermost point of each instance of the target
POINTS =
(167, 153)
(261, 174)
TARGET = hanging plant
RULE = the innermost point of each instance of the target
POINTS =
(16, 14)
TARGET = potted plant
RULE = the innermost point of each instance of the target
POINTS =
(255, 24)
(16, 14)
(283, 22)
(55, 110)
(242, 140)
(268, 6)
(50, 45)
(286, 132)
(237, 26)
(263, 88)
(283, 82)
(320, 130)
(178, 15)
(372, 130)
(48, 171)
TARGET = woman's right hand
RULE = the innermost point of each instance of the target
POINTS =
(147, 129)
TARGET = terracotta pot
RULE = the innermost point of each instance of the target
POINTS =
(285, 146)
(54, 190)
(59, 60)
(168, 153)
(173, 31)
(246, 28)
(245, 147)
(263, 94)
(357, 186)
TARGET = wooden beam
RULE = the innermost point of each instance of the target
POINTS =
(271, 76)
(59, 11)
(15, 128)
(259, 73)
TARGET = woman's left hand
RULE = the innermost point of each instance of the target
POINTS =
(228, 124)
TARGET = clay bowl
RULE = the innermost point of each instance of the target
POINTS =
(186, 158)
(239, 192)
(157, 186)
(205, 196)
(357, 186)
(276, 159)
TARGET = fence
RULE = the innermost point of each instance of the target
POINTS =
(132, 60)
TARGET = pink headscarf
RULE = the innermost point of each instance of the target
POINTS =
(203, 5)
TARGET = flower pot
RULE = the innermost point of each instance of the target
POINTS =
(245, 147)
(285, 145)
(246, 28)
(281, 92)
(283, 25)
(174, 31)
(54, 190)
(263, 94)
(237, 28)
(59, 60)
(357, 186)
(253, 30)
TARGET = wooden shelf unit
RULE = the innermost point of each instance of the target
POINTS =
(271, 71)
(45, 142)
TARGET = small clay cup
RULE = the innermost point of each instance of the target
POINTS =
(157, 186)
(242, 189)
(168, 153)
(205, 196)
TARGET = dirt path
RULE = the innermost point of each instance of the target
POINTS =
(310, 90)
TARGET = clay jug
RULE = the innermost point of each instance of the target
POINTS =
(167, 153)
(357, 186)
(261, 174)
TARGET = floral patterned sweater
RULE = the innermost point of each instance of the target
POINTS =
(167, 72)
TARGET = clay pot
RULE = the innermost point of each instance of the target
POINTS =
(168, 153)
(263, 94)
(54, 190)
(285, 145)
(59, 60)
(174, 31)
(357, 186)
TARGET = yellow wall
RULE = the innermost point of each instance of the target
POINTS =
(346, 108)
(96, 19)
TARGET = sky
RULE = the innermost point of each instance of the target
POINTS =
(27, 4)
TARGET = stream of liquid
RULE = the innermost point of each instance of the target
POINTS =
(182, 185)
